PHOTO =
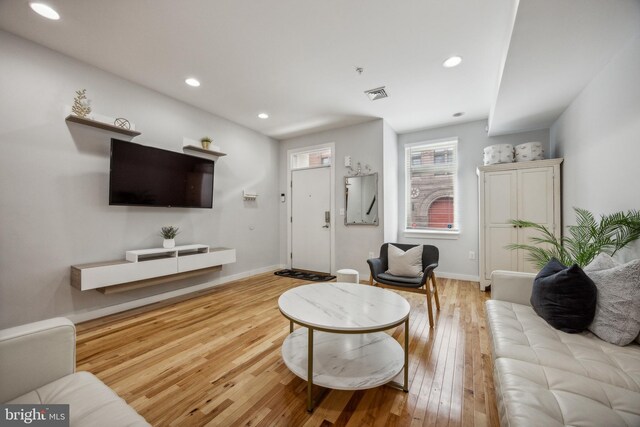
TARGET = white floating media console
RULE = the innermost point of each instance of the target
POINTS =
(146, 267)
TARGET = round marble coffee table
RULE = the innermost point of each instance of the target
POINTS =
(341, 345)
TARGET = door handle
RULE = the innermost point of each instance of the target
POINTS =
(325, 226)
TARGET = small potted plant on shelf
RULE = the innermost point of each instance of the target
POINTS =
(169, 234)
(205, 141)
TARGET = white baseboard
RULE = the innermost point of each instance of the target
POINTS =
(83, 316)
(457, 276)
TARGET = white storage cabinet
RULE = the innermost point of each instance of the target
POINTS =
(527, 191)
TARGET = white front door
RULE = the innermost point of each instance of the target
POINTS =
(310, 219)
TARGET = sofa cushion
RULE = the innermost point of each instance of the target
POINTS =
(564, 296)
(517, 332)
(602, 261)
(22, 367)
(617, 315)
(533, 395)
(91, 402)
(405, 263)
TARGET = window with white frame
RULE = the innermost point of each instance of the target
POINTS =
(431, 186)
(311, 159)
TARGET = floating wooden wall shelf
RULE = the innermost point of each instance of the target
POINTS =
(192, 149)
(150, 267)
(101, 125)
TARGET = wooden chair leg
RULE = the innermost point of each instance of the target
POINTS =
(435, 290)
(371, 280)
(429, 308)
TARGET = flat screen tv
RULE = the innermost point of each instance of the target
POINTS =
(148, 176)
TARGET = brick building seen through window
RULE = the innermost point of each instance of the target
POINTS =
(431, 178)
(311, 159)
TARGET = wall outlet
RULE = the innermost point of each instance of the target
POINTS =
(371, 255)
(472, 255)
(342, 211)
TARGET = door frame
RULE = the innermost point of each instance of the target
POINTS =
(332, 178)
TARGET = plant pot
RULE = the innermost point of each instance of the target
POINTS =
(205, 144)
(169, 243)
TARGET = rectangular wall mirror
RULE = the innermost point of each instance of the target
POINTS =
(361, 200)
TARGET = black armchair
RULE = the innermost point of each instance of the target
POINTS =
(430, 257)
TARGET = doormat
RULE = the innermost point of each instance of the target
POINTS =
(304, 275)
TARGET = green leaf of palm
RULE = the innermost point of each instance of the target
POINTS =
(583, 241)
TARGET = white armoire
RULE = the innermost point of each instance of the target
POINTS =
(523, 190)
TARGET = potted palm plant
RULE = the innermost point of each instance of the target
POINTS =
(583, 241)
(169, 234)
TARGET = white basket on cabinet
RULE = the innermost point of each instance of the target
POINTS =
(499, 153)
(529, 151)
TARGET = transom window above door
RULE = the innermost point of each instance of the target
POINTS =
(311, 159)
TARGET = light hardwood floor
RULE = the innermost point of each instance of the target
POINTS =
(215, 360)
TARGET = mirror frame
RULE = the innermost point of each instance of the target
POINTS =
(346, 201)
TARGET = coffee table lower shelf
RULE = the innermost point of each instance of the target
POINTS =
(344, 361)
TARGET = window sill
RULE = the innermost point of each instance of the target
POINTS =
(428, 234)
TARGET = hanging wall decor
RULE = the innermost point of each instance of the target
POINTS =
(122, 123)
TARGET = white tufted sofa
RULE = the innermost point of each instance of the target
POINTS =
(37, 366)
(546, 377)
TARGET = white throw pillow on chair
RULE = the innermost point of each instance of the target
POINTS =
(403, 263)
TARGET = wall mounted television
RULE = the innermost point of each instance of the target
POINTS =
(148, 176)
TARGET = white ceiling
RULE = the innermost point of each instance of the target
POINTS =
(556, 48)
(296, 59)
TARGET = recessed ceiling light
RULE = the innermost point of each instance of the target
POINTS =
(44, 10)
(192, 82)
(263, 115)
(454, 61)
(459, 114)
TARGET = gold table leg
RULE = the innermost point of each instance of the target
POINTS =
(310, 371)
(406, 356)
(405, 385)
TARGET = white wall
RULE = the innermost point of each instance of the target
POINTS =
(472, 138)
(54, 208)
(390, 184)
(599, 137)
(363, 142)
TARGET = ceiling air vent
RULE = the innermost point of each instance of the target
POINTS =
(377, 93)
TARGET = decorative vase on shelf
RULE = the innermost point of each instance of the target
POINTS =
(206, 142)
(169, 243)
